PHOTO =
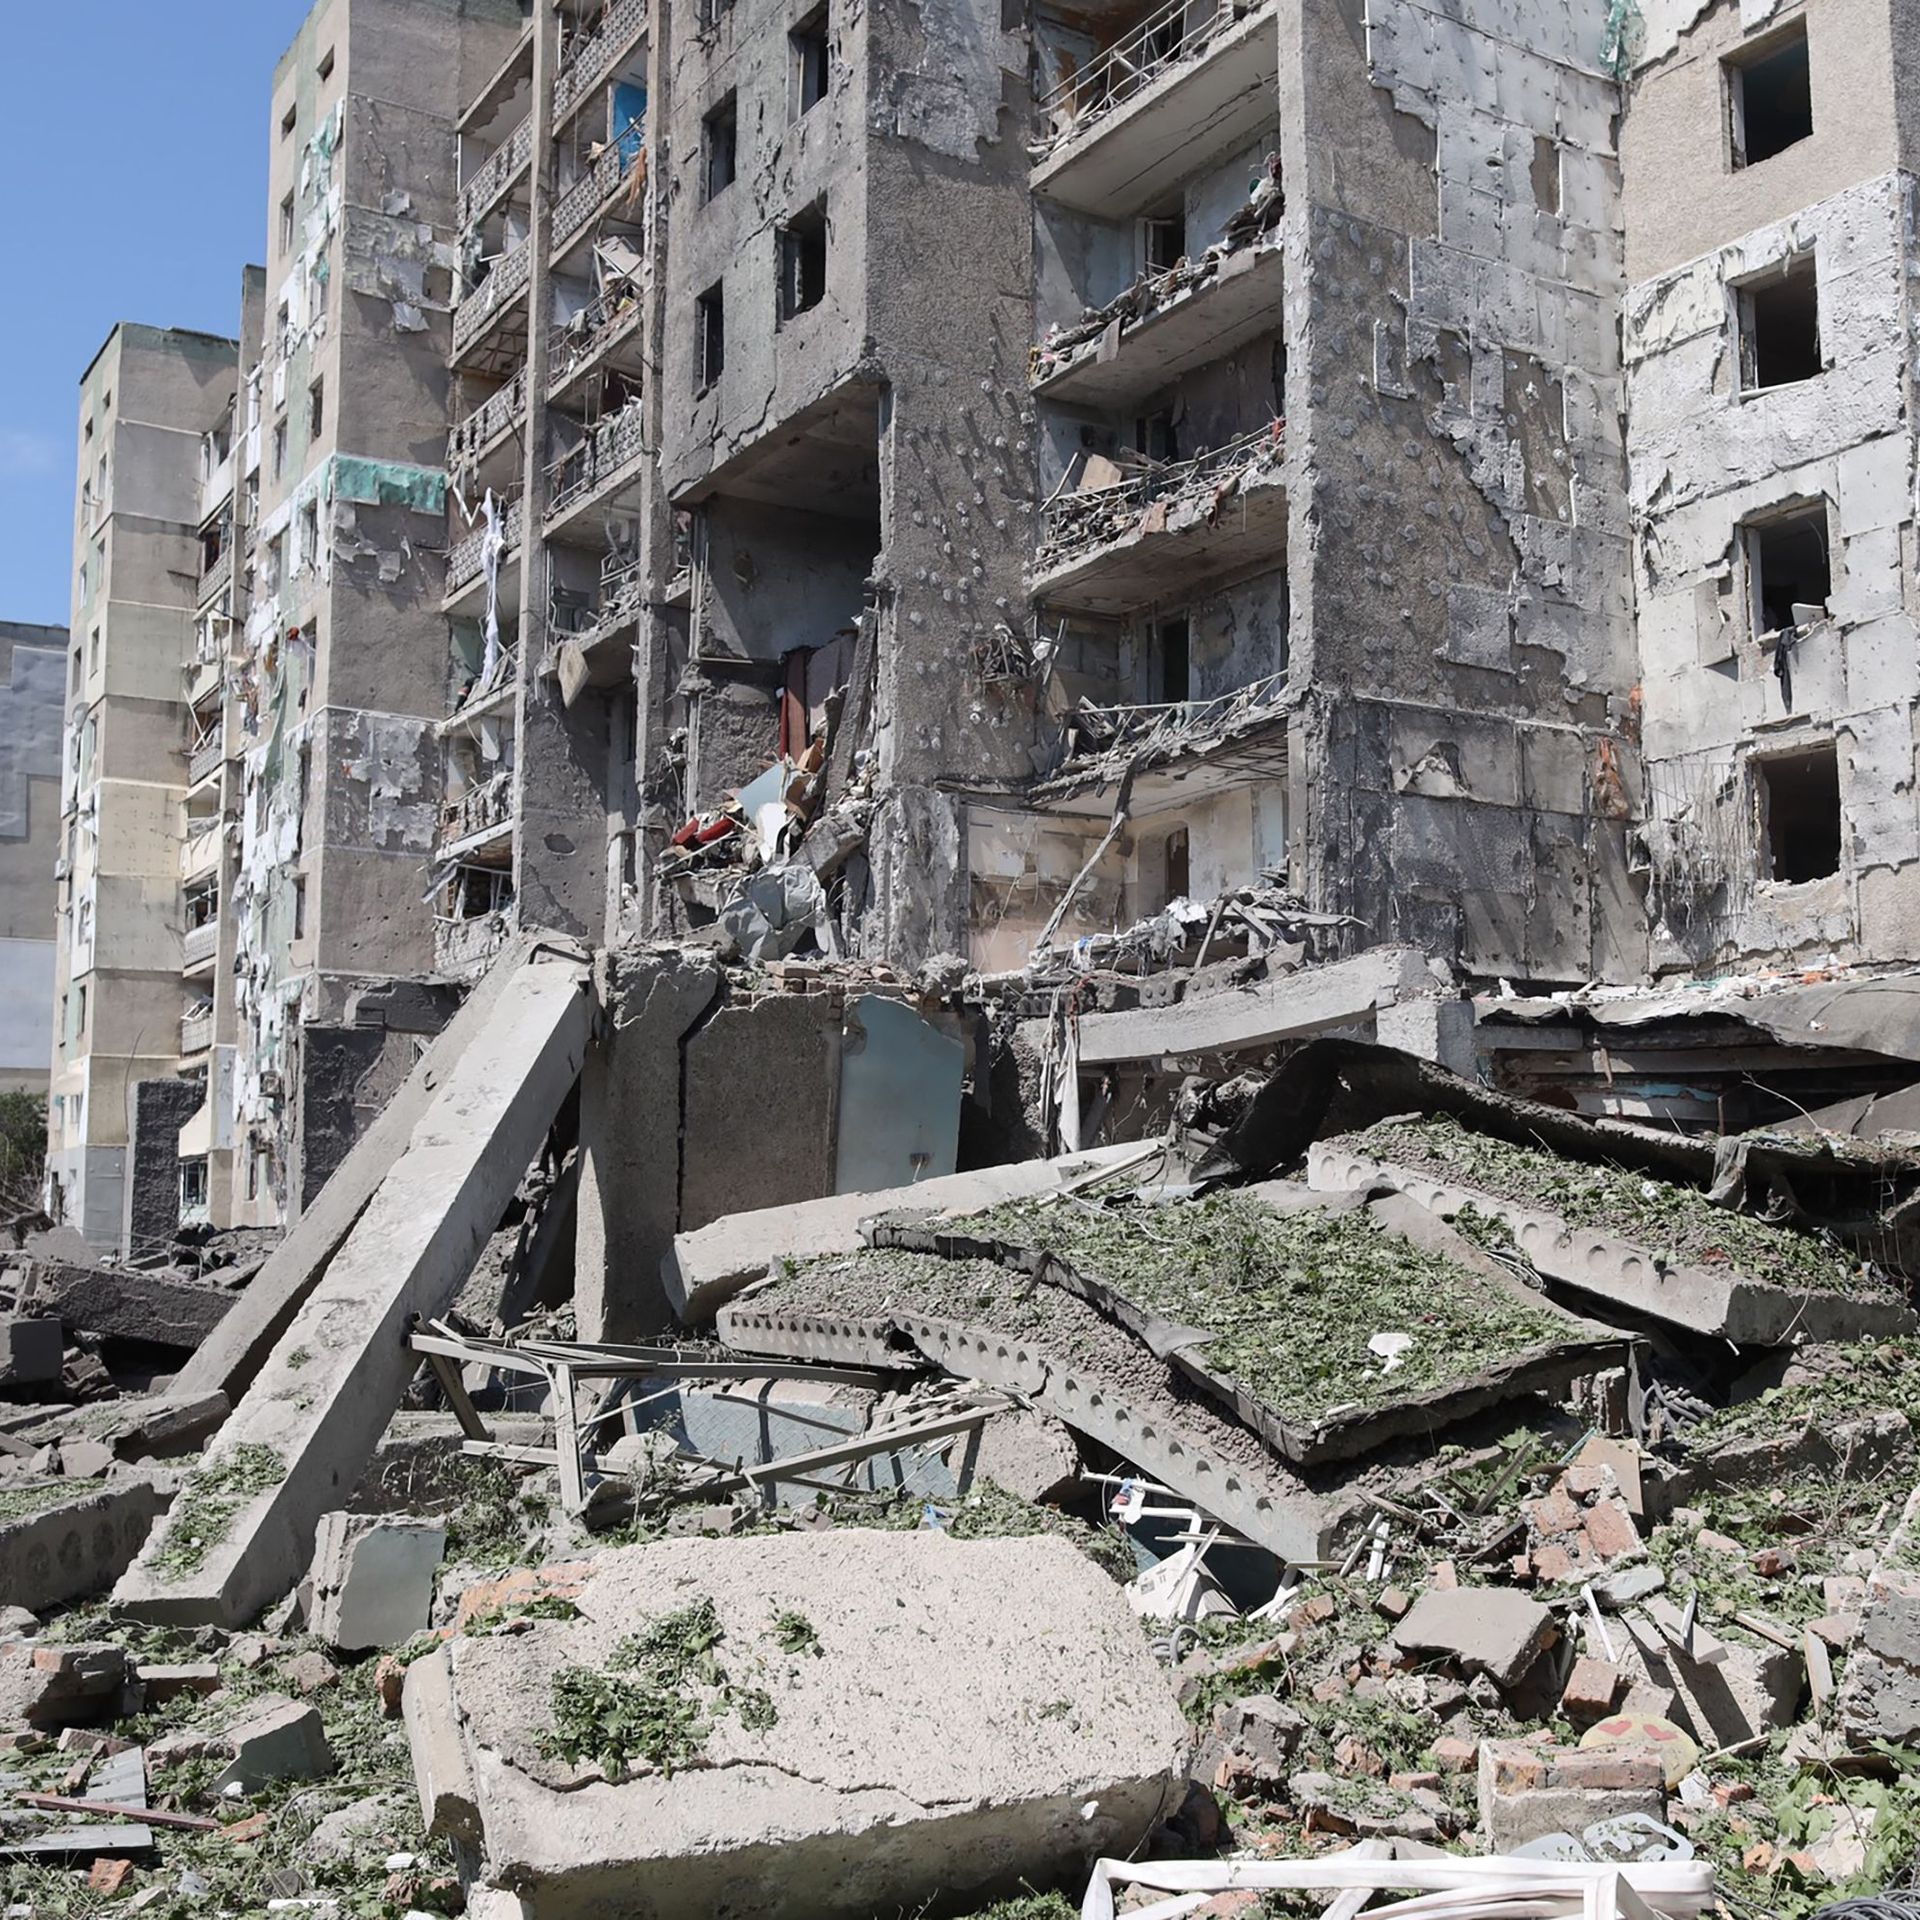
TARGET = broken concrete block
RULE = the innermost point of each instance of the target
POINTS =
(16, 1623)
(61, 1686)
(978, 1713)
(132, 1305)
(164, 1681)
(1879, 1696)
(1250, 1742)
(1029, 1453)
(280, 1739)
(314, 1415)
(1591, 1690)
(373, 1579)
(30, 1349)
(1490, 1630)
(1527, 1791)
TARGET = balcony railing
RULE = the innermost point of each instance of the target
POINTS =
(486, 805)
(213, 578)
(595, 328)
(624, 158)
(196, 1030)
(1076, 523)
(479, 304)
(1162, 41)
(496, 173)
(467, 560)
(205, 760)
(200, 944)
(608, 451)
(1095, 731)
(592, 59)
(493, 417)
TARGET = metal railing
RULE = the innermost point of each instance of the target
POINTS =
(600, 182)
(201, 943)
(589, 61)
(494, 416)
(484, 806)
(595, 328)
(496, 173)
(205, 760)
(1078, 522)
(478, 305)
(196, 1030)
(213, 578)
(467, 559)
(622, 590)
(1164, 40)
(609, 450)
(1093, 731)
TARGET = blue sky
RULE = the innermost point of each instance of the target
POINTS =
(133, 159)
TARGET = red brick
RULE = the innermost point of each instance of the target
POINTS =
(1552, 1562)
(1771, 1562)
(1728, 1793)
(108, 1876)
(1553, 1512)
(1445, 1578)
(1453, 1755)
(1414, 1782)
(1610, 1530)
(1393, 1604)
(1608, 1769)
(1352, 1755)
(1591, 1689)
(1309, 1612)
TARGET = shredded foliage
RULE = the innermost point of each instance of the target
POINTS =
(21, 1503)
(1677, 1221)
(1869, 1376)
(793, 1632)
(204, 1513)
(1291, 1299)
(663, 1691)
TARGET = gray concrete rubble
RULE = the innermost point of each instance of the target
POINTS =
(372, 1579)
(61, 1539)
(308, 1425)
(1058, 1738)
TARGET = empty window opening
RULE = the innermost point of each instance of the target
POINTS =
(812, 61)
(1154, 436)
(1163, 241)
(1170, 647)
(288, 121)
(286, 225)
(803, 261)
(720, 138)
(1770, 99)
(316, 409)
(1790, 569)
(325, 68)
(299, 907)
(1179, 865)
(1780, 327)
(1799, 799)
(710, 338)
(279, 448)
(1544, 171)
(193, 1184)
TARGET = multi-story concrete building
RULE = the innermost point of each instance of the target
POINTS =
(33, 697)
(147, 404)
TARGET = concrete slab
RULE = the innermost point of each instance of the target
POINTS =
(298, 1442)
(1490, 1630)
(228, 1358)
(60, 1541)
(979, 1714)
(373, 1579)
(132, 1305)
(30, 1349)
(1880, 1695)
(708, 1267)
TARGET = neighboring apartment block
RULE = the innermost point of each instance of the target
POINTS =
(33, 688)
(893, 480)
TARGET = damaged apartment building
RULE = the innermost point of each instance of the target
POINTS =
(1090, 489)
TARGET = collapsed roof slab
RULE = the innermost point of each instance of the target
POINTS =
(242, 1531)
(914, 1750)
(1342, 993)
(229, 1357)
(708, 1267)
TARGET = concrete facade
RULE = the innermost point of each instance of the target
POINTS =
(33, 679)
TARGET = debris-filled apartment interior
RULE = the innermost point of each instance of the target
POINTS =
(1247, 671)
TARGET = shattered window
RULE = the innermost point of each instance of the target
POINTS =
(811, 61)
(1790, 570)
(1770, 98)
(1780, 326)
(710, 338)
(720, 133)
(1799, 800)
(803, 262)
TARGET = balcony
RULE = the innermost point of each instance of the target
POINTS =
(594, 333)
(1160, 105)
(200, 850)
(196, 1031)
(203, 678)
(624, 160)
(200, 946)
(479, 822)
(216, 575)
(499, 414)
(467, 560)
(496, 174)
(489, 693)
(591, 61)
(481, 305)
(1169, 533)
(612, 452)
(1163, 326)
(205, 761)
(599, 652)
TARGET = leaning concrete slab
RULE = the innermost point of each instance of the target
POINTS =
(131, 1305)
(296, 1445)
(61, 1539)
(943, 1718)
(707, 1267)
(1343, 993)
(232, 1354)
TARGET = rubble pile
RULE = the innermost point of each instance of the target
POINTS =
(1354, 1498)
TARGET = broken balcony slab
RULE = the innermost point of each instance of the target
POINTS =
(707, 1267)
(984, 1322)
(799, 1777)
(1328, 1330)
(1128, 140)
(297, 1443)
(1194, 327)
(1342, 993)
(1703, 1274)
(228, 1358)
